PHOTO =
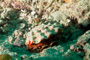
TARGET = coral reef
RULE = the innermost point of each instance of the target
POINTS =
(87, 51)
(83, 45)
(42, 36)
(79, 10)
(82, 40)
(44, 23)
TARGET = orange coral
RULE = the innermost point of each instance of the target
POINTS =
(67, 1)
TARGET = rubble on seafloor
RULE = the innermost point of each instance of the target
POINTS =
(20, 17)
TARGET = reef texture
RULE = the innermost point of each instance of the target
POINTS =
(83, 45)
(42, 36)
(78, 9)
(19, 19)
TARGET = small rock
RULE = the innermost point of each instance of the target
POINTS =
(21, 26)
(17, 33)
(72, 47)
(33, 12)
(5, 57)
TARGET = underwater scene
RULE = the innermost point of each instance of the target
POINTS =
(44, 29)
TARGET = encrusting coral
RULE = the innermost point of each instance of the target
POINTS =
(42, 36)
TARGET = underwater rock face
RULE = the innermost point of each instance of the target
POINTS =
(5, 57)
(83, 45)
(60, 17)
(82, 40)
(79, 9)
(87, 51)
(42, 36)
(9, 13)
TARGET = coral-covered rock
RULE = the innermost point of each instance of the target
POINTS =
(82, 40)
(42, 36)
(9, 13)
(79, 9)
(83, 45)
(87, 51)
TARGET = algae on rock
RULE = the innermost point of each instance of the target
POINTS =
(5, 57)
